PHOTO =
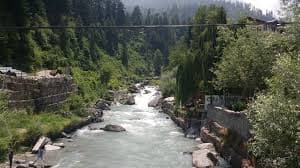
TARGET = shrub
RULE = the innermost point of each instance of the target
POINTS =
(168, 83)
(275, 117)
(34, 131)
(3, 148)
(238, 106)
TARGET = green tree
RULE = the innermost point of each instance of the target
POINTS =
(194, 71)
(124, 55)
(168, 83)
(248, 60)
(136, 16)
(157, 62)
(275, 117)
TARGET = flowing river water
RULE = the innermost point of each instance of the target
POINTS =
(151, 140)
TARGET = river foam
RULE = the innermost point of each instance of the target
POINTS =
(151, 140)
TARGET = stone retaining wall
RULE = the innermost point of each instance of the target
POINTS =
(236, 121)
(38, 93)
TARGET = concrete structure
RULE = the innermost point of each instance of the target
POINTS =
(236, 121)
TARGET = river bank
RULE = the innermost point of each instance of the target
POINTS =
(151, 139)
(56, 126)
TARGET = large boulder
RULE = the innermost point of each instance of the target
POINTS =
(133, 89)
(130, 100)
(110, 95)
(103, 104)
(168, 105)
(206, 156)
(96, 115)
(113, 128)
(127, 99)
(145, 83)
(155, 101)
(192, 133)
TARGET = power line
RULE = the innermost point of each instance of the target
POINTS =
(16, 28)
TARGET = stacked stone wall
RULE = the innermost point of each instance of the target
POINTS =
(38, 93)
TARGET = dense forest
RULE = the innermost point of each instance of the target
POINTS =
(187, 9)
(111, 55)
(261, 65)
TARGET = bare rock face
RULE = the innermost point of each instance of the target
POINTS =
(113, 128)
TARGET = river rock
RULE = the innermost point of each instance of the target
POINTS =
(198, 140)
(22, 166)
(130, 100)
(20, 161)
(206, 156)
(62, 145)
(167, 105)
(145, 83)
(192, 133)
(169, 99)
(65, 135)
(110, 96)
(147, 91)
(96, 115)
(70, 140)
(133, 89)
(31, 164)
(113, 128)
(127, 99)
(52, 147)
(155, 101)
(102, 104)
(93, 128)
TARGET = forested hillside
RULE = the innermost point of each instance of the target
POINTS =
(259, 64)
(187, 9)
(111, 55)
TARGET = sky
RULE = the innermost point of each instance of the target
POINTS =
(273, 5)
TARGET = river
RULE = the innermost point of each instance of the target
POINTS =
(151, 140)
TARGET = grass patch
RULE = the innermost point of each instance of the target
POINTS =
(22, 128)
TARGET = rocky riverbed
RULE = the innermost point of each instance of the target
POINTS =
(141, 137)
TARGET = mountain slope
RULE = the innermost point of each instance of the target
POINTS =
(187, 9)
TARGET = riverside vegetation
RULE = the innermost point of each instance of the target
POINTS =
(262, 66)
(97, 59)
